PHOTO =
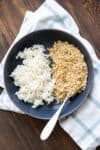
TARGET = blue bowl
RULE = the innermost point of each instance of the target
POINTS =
(47, 38)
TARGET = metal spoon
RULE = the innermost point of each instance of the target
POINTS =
(47, 130)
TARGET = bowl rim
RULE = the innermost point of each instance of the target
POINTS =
(68, 34)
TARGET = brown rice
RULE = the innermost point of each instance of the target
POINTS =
(69, 70)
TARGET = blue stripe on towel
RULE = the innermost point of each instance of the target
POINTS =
(88, 132)
(94, 101)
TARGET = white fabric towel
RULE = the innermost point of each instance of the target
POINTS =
(84, 124)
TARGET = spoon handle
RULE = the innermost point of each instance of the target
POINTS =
(51, 124)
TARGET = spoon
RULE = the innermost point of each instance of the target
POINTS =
(47, 130)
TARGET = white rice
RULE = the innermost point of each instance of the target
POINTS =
(33, 76)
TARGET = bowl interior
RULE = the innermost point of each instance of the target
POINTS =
(47, 38)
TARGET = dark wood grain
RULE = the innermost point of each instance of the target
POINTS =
(21, 131)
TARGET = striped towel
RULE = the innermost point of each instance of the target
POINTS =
(84, 124)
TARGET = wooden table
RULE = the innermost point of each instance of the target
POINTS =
(21, 131)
